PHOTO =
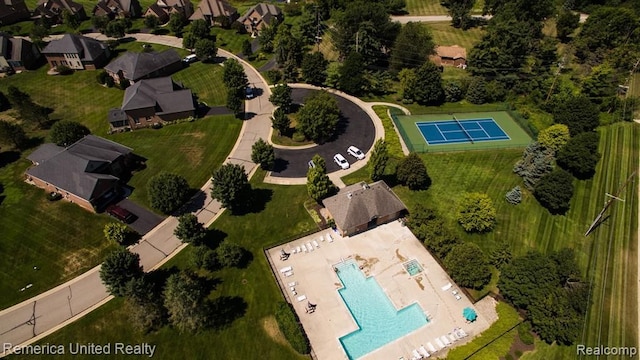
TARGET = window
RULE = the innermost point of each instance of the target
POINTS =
(137, 120)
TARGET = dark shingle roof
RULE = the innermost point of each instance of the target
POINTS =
(71, 169)
(117, 115)
(359, 203)
(89, 49)
(161, 93)
(213, 8)
(135, 66)
(266, 11)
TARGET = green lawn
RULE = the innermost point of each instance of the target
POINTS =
(433, 7)
(252, 336)
(205, 81)
(446, 35)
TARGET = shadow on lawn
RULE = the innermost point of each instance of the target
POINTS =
(256, 201)
(227, 310)
(8, 157)
(1, 196)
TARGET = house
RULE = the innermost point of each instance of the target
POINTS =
(17, 54)
(361, 206)
(137, 66)
(86, 173)
(163, 9)
(76, 52)
(450, 56)
(215, 12)
(13, 11)
(53, 10)
(117, 8)
(151, 102)
(259, 16)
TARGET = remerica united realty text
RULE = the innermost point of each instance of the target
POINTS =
(80, 349)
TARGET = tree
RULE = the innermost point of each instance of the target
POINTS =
(11, 133)
(190, 230)
(287, 47)
(607, 28)
(406, 53)
(476, 93)
(514, 196)
(536, 162)
(554, 191)
(280, 121)
(235, 100)
(454, 91)
(501, 255)
(168, 192)
(554, 137)
(428, 85)
(263, 154)
(578, 113)
(200, 28)
(247, 50)
(333, 75)
(379, 159)
(267, 36)
(320, 163)
(115, 29)
(314, 68)
(100, 22)
(520, 9)
(189, 41)
(476, 213)
(230, 185)
(70, 19)
(319, 116)
(206, 49)
(527, 277)
(176, 23)
(601, 84)
(431, 229)
(468, 266)
(118, 269)
(116, 233)
(151, 22)
(412, 173)
(351, 72)
(580, 155)
(408, 83)
(460, 12)
(233, 75)
(319, 186)
(185, 300)
(38, 33)
(67, 132)
(566, 23)
(144, 304)
(229, 254)
(281, 97)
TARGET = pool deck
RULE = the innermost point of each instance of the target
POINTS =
(380, 252)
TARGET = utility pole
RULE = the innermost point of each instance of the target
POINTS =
(553, 84)
(629, 81)
(608, 203)
(318, 29)
(357, 41)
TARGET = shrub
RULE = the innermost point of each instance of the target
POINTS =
(514, 196)
(554, 191)
(477, 213)
(66, 132)
(468, 266)
(580, 155)
(167, 192)
(291, 328)
(116, 232)
(413, 173)
(536, 162)
(554, 137)
(524, 332)
(64, 70)
(229, 254)
(298, 137)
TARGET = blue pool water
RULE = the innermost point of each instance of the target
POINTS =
(413, 267)
(379, 321)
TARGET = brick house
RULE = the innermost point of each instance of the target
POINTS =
(86, 173)
(76, 52)
(117, 8)
(260, 16)
(362, 206)
(13, 11)
(17, 54)
(450, 56)
(53, 9)
(215, 12)
(150, 102)
(163, 9)
(138, 66)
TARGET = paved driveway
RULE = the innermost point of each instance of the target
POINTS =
(355, 128)
(146, 220)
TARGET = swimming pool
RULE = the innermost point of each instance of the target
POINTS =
(379, 321)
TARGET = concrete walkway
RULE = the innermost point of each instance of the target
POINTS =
(41, 315)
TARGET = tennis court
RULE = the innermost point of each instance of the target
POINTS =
(455, 131)
(460, 131)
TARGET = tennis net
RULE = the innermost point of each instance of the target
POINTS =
(463, 129)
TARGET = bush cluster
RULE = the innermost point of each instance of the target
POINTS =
(290, 326)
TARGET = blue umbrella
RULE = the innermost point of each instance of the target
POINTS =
(469, 314)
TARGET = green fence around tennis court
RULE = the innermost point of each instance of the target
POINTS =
(518, 129)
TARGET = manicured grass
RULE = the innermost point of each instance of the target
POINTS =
(425, 7)
(254, 335)
(61, 239)
(445, 34)
(205, 81)
(498, 333)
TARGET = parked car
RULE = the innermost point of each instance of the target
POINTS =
(121, 214)
(355, 152)
(190, 58)
(249, 93)
(311, 164)
(341, 161)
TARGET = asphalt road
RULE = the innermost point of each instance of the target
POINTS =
(355, 128)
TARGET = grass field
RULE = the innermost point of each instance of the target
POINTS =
(255, 335)
(416, 142)
(433, 7)
(445, 34)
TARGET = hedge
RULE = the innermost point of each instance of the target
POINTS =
(290, 326)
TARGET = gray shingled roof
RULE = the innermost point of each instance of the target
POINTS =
(89, 49)
(117, 115)
(135, 66)
(68, 169)
(161, 93)
(267, 11)
(213, 8)
(359, 203)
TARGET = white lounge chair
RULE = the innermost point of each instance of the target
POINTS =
(315, 243)
(309, 247)
(452, 338)
(298, 250)
(423, 351)
(293, 283)
(304, 248)
(439, 343)
(431, 347)
(286, 269)
(416, 354)
(329, 238)
(288, 273)
(461, 332)
(301, 298)
(321, 238)
(445, 340)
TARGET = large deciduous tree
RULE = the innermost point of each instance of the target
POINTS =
(520, 9)
(319, 186)
(118, 268)
(190, 230)
(580, 155)
(566, 23)
(144, 304)
(230, 185)
(167, 192)
(67, 132)
(379, 159)
(177, 22)
(460, 12)
(431, 229)
(413, 173)
(281, 97)
(476, 213)
(280, 121)
(314, 68)
(263, 154)
(185, 300)
(205, 49)
(606, 28)
(554, 191)
(351, 74)
(428, 85)
(412, 47)
(200, 28)
(468, 265)
(578, 113)
(229, 254)
(554, 137)
(319, 116)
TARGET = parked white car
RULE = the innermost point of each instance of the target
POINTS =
(355, 152)
(341, 161)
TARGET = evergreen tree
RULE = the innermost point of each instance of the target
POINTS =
(379, 159)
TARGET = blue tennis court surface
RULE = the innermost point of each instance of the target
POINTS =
(462, 131)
